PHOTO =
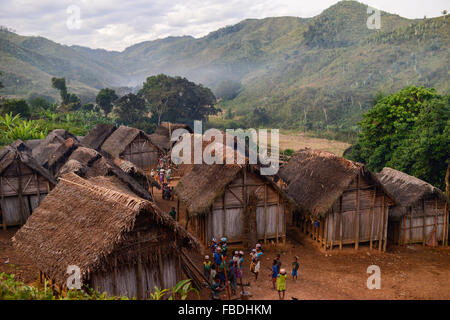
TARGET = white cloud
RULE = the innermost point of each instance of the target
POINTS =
(116, 24)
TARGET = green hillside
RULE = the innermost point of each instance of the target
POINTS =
(317, 73)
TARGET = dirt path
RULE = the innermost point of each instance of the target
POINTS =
(411, 272)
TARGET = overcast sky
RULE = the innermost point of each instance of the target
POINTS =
(117, 24)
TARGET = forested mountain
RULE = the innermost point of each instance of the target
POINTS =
(315, 73)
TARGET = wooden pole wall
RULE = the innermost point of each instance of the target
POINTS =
(139, 268)
(372, 216)
(357, 215)
(265, 213)
(386, 218)
(2, 203)
(340, 223)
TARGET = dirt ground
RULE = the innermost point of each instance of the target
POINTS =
(412, 272)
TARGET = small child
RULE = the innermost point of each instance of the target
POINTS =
(213, 272)
(216, 288)
(295, 267)
(281, 284)
(207, 267)
(274, 273)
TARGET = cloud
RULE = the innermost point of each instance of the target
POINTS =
(116, 24)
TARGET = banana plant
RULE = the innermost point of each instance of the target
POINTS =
(9, 121)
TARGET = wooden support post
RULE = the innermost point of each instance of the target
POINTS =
(386, 222)
(224, 214)
(446, 211)
(115, 276)
(410, 226)
(340, 223)
(372, 216)
(265, 213)
(278, 216)
(3, 203)
(178, 209)
(19, 173)
(325, 236)
(160, 269)
(139, 268)
(424, 221)
(333, 227)
(403, 228)
(381, 229)
(357, 215)
(436, 219)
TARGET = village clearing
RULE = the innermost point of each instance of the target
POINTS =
(412, 272)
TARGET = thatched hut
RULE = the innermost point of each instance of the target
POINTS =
(421, 214)
(232, 200)
(162, 135)
(338, 201)
(123, 245)
(133, 145)
(53, 151)
(88, 163)
(97, 136)
(24, 183)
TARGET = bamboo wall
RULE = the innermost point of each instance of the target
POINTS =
(228, 220)
(123, 281)
(21, 191)
(420, 221)
(141, 152)
(360, 215)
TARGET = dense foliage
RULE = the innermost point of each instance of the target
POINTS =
(177, 99)
(13, 289)
(408, 131)
(105, 99)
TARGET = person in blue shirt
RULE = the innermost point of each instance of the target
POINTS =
(218, 256)
(275, 271)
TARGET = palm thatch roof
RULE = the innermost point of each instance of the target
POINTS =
(200, 187)
(97, 136)
(88, 163)
(116, 143)
(18, 150)
(85, 232)
(55, 149)
(136, 172)
(161, 136)
(407, 190)
(316, 179)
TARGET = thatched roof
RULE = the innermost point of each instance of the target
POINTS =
(84, 232)
(116, 143)
(161, 136)
(200, 187)
(97, 136)
(88, 163)
(316, 179)
(18, 150)
(407, 190)
(55, 149)
(136, 172)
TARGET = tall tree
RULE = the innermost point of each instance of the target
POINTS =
(408, 131)
(129, 108)
(60, 85)
(177, 99)
(105, 99)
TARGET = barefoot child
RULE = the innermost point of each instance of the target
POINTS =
(207, 267)
(281, 284)
(295, 267)
(274, 273)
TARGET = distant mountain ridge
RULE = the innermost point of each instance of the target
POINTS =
(314, 72)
